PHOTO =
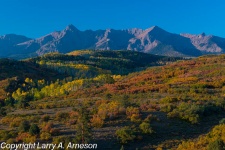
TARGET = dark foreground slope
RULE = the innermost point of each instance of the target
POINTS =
(21, 69)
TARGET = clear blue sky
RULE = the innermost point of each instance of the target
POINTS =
(35, 18)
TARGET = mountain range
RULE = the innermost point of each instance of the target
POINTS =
(153, 40)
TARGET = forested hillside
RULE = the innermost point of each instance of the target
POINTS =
(117, 99)
(113, 62)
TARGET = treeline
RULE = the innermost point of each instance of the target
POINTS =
(115, 62)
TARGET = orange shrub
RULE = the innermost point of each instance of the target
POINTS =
(97, 121)
(25, 137)
(47, 127)
(45, 136)
(135, 118)
(132, 110)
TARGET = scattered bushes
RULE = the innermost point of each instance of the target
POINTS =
(146, 128)
(135, 118)
(214, 140)
(97, 121)
(5, 135)
(222, 121)
(189, 112)
(45, 136)
(125, 134)
(131, 111)
(110, 110)
(25, 137)
(192, 111)
(216, 145)
(24, 126)
(45, 118)
(62, 116)
(48, 127)
(168, 100)
(34, 129)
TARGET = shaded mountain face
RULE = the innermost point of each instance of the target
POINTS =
(8, 44)
(153, 40)
(158, 41)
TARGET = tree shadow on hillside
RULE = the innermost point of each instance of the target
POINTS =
(166, 130)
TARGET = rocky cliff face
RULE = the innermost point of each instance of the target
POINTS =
(153, 40)
(207, 44)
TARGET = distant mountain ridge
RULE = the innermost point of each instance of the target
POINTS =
(153, 40)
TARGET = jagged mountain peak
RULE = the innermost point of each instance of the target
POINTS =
(154, 40)
(70, 30)
(154, 29)
(71, 27)
(135, 31)
(207, 43)
(201, 35)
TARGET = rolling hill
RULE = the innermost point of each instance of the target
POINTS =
(75, 65)
(76, 97)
